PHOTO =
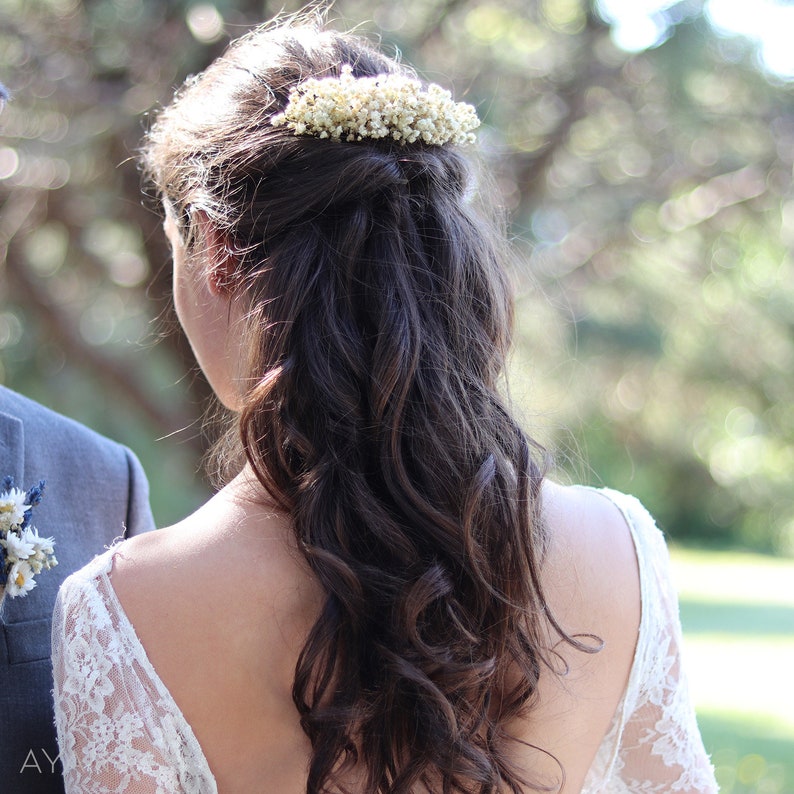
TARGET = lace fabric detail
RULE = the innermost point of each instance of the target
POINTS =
(653, 744)
(121, 731)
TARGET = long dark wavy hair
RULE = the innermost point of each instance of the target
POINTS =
(380, 317)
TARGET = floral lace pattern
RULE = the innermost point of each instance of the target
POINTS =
(121, 731)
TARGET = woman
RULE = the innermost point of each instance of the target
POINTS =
(388, 596)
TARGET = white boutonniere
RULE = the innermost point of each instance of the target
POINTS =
(23, 552)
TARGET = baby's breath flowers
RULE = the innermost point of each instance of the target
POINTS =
(23, 552)
(387, 106)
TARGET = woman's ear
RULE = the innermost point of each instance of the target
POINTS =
(222, 270)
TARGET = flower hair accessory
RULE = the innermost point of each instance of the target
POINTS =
(23, 553)
(387, 106)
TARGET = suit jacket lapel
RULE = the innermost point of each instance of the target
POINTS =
(12, 462)
(12, 449)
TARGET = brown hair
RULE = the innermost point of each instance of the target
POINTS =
(380, 321)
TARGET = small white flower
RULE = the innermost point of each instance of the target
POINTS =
(350, 108)
(42, 546)
(12, 509)
(20, 579)
(43, 550)
(17, 548)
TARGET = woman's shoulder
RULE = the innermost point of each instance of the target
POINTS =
(611, 528)
(222, 553)
(591, 583)
(222, 606)
(591, 530)
(592, 575)
(607, 571)
(227, 570)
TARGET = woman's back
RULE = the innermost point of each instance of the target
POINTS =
(222, 604)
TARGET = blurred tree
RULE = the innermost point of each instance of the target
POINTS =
(649, 193)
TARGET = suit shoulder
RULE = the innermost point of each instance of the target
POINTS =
(42, 424)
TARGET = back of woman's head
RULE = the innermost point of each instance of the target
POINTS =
(274, 194)
(379, 321)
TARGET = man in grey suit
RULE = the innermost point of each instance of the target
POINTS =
(95, 491)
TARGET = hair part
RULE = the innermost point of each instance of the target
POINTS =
(380, 317)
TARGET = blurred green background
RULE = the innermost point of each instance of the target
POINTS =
(643, 151)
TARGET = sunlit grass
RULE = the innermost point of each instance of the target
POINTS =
(733, 576)
(738, 616)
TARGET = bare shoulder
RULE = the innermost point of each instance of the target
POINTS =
(227, 570)
(591, 583)
(222, 605)
(591, 556)
(159, 573)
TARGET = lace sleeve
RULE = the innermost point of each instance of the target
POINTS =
(656, 743)
(118, 732)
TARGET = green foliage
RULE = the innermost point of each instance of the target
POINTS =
(650, 197)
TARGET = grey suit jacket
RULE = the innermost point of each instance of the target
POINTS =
(96, 491)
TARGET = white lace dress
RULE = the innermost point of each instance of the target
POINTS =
(121, 732)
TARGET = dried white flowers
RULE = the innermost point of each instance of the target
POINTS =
(353, 108)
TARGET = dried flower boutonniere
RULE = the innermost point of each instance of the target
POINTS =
(23, 553)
